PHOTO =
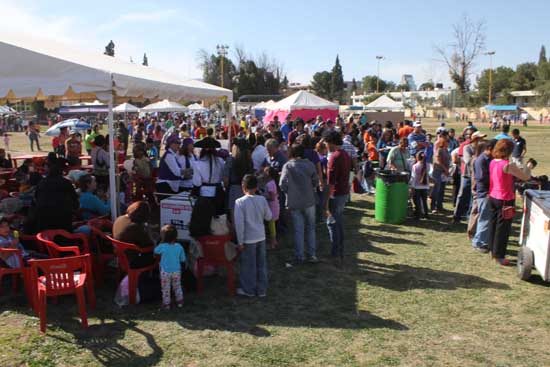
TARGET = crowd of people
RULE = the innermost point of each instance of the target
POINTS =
(275, 175)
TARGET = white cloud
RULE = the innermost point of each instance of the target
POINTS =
(138, 17)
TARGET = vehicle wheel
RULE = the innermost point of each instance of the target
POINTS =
(525, 263)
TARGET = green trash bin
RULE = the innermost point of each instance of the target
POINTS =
(392, 196)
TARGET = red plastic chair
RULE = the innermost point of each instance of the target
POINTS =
(68, 275)
(213, 250)
(101, 245)
(15, 272)
(124, 265)
(55, 249)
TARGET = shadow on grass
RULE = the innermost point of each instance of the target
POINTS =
(103, 340)
(401, 277)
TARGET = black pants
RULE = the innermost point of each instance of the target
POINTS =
(34, 140)
(499, 228)
(420, 202)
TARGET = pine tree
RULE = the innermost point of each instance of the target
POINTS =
(337, 81)
(353, 85)
(145, 60)
(284, 83)
(542, 55)
(110, 49)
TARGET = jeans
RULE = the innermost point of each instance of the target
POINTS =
(32, 141)
(336, 230)
(481, 238)
(253, 272)
(438, 189)
(322, 195)
(499, 228)
(420, 202)
(304, 222)
(464, 196)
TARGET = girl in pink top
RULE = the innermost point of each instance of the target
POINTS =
(272, 195)
(502, 194)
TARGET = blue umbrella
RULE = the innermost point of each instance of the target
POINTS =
(71, 124)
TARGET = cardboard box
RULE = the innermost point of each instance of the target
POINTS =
(176, 210)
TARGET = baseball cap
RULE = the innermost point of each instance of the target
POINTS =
(478, 135)
(417, 124)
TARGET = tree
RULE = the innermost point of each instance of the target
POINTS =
(321, 84)
(369, 84)
(542, 55)
(403, 88)
(543, 84)
(337, 82)
(429, 85)
(110, 49)
(211, 69)
(525, 76)
(502, 82)
(353, 86)
(284, 83)
(461, 54)
(145, 60)
(370, 98)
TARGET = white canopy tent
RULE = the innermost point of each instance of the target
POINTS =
(164, 106)
(33, 68)
(125, 108)
(196, 107)
(6, 110)
(384, 103)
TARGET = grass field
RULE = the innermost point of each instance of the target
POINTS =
(408, 295)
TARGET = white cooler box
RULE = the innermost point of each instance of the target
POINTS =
(535, 235)
(176, 210)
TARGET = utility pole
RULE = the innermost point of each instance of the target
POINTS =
(222, 52)
(490, 54)
(379, 57)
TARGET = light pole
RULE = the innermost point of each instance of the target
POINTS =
(222, 52)
(490, 54)
(379, 57)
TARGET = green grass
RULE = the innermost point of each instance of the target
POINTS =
(409, 295)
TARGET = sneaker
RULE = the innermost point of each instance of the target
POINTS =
(313, 260)
(180, 304)
(482, 249)
(241, 292)
(261, 295)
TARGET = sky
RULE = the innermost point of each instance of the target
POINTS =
(305, 36)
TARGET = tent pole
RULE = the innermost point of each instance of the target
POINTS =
(112, 162)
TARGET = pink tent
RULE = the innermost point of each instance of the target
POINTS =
(304, 105)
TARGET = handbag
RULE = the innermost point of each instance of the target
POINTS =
(508, 212)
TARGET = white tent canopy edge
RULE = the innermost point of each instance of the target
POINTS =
(30, 66)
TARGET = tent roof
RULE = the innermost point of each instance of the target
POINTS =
(501, 108)
(126, 107)
(196, 107)
(384, 103)
(303, 100)
(164, 106)
(30, 67)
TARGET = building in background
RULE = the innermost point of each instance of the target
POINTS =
(408, 79)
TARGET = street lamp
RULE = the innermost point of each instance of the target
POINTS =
(222, 52)
(379, 57)
(490, 54)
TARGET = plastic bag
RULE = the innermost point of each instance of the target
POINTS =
(218, 226)
(122, 296)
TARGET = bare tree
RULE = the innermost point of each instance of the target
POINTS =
(461, 54)
(240, 54)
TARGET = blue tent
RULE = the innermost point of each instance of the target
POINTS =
(492, 107)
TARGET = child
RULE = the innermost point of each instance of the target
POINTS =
(152, 152)
(368, 175)
(250, 213)
(10, 240)
(272, 197)
(7, 141)
(171, 257)
(420, 183)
